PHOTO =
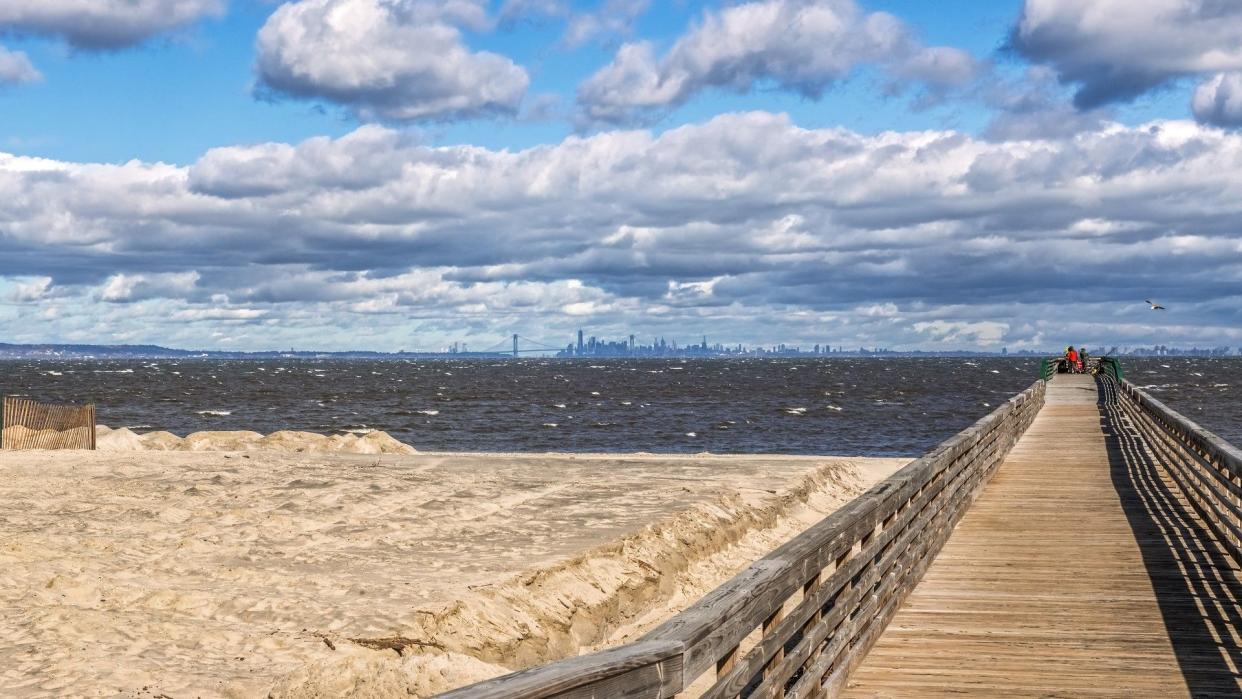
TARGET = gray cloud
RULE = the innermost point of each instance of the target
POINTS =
(802, 46)
(746, 221)
(401, 60)
(1117, 50)
(103, 24)
(1218, 100)
(16, 68)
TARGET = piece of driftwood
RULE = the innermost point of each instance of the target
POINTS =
(818, 602)
(29, 424)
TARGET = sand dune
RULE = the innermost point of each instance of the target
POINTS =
(260, 573)
(123, 439)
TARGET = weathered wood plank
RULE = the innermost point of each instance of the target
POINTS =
(1083, 569)
(647, 669)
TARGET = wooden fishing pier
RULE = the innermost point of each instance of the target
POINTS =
(1083, 540)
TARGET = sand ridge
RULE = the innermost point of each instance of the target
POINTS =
(267, 573)
(369, 442)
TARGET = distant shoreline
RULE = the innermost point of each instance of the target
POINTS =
(83, 351)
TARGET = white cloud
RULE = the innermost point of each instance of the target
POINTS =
(387, 59)
(963, 334)
(746, 221)
(103, 24)
(802, 46)
(15, 67)
(1116, 50)
(31, 291)
(1218, 100)
(124, 288)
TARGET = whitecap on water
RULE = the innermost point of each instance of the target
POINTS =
(692, 434)
(215, 413)
(796, 411)
(429, 412)
(559, 405)
(550, 424)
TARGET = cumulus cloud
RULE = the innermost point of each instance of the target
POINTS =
(1117, 50)
(389, 59)
(15, 68)
(802, 46)
(125, 288)
(1219, 100)
(30, 291)
(932, 238)
(1034, 106)
(103, 24)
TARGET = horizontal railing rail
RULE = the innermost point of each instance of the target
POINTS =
(799, 620)
(1110, 367)
(29, 424)
(1206, 468)
(1050, 366)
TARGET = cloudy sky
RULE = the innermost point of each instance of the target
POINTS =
(402, 174)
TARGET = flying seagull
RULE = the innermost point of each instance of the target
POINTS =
(1155, 306)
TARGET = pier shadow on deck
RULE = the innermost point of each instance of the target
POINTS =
(1196, 583)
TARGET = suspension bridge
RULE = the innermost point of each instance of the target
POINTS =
(521, 345)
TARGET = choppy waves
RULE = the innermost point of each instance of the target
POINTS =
(876, 407)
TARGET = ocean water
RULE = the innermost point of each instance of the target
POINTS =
(1206, 390)
(843, 406)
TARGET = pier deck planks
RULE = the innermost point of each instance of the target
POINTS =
(1079, 572)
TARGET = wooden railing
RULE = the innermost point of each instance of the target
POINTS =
(799, 620)
(1206, 468)
(28, 424)
(1107, 366)
(1050, 367)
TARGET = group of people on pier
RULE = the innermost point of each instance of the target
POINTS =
(1076, 360)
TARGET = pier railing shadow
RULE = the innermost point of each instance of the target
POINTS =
(1194, 575)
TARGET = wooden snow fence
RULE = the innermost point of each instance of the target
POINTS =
(29, 424)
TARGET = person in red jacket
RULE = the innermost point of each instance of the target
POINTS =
(1071, 358)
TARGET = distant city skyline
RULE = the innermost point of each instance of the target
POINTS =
(590, 348)
(242, 175)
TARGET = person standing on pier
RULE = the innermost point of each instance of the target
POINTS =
(1082, 360)
(1071, 359)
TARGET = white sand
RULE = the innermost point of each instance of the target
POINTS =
(261, 573)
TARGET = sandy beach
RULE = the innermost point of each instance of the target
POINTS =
(247, 574)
